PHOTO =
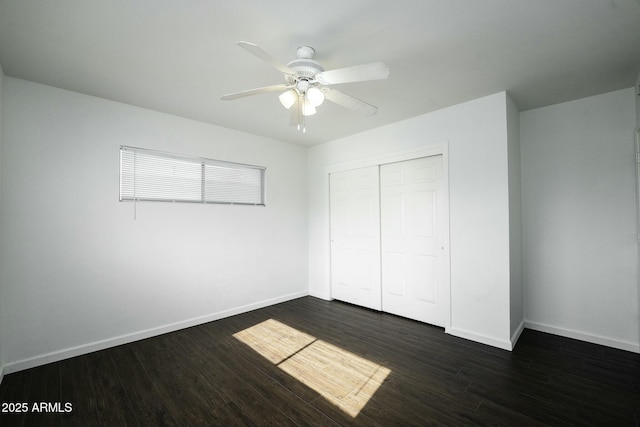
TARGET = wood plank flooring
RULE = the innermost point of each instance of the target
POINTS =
(313, 362)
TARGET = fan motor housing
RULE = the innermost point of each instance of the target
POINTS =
(305, 67)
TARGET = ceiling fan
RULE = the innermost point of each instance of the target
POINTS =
(307, 83)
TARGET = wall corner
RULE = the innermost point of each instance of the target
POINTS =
(516, 287)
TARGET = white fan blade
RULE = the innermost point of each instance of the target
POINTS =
(257, 51)
(349, 101)
(357, 73)
(266, 89)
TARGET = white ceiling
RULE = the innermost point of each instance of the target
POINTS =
(180, 56)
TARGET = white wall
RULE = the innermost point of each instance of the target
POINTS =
(476, 132)
(579, 219)
(637, 88)
(79, 273)
(2, 298)
(637, 96)
(516, 291)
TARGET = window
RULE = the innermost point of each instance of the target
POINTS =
(147, 175)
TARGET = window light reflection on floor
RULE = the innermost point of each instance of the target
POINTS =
(343, 378)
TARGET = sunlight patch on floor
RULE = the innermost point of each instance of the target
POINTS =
(343, 378)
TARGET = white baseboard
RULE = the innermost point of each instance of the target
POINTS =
(516, 335)
(583, 336)
(321, 295)
(483, 339)
(58, 355)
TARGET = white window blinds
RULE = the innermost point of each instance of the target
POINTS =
(147, 175)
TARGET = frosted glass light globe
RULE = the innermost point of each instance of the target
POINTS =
(308, 109)
(315, 96)
(288, 98)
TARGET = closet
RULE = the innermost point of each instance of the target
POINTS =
(388, 238)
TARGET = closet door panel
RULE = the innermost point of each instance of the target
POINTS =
(411, 239)
(355, 236)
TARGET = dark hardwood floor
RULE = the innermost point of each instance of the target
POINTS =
(313, 362)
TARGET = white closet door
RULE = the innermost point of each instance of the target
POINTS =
(355, 237)
(412, 239)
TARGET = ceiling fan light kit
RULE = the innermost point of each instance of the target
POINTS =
(307, 83)
(288, 98)
(315, 96)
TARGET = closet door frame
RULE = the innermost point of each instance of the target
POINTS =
(441, 148)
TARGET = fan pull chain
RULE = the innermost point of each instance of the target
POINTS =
(304, 120)
(299, 107)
